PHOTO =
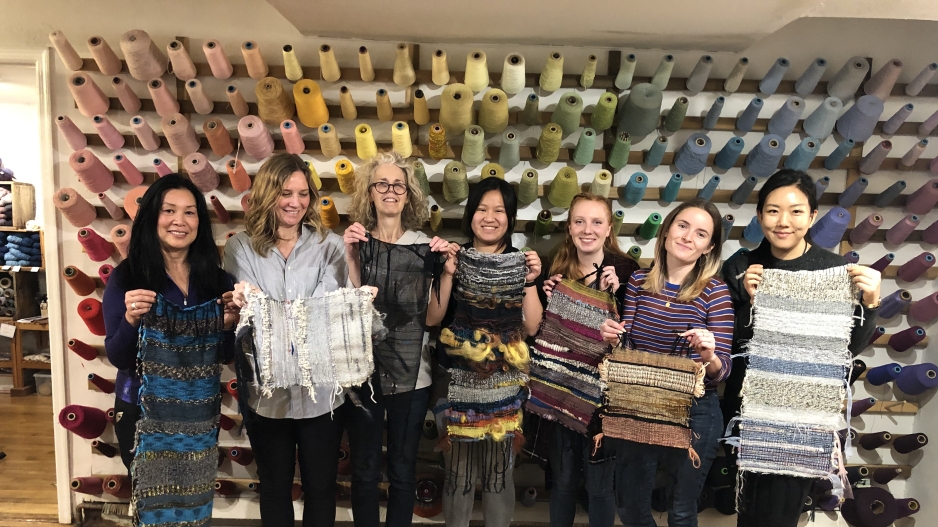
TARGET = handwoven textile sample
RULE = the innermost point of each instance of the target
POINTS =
(565, 385)
(176, 453)
(316, 341)
(796, 380)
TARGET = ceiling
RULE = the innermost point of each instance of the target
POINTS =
(723, 25)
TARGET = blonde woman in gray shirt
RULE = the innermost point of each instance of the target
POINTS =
(288, 254)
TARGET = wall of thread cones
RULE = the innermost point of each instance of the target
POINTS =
(648, 129)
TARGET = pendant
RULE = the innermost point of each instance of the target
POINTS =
(667, 304)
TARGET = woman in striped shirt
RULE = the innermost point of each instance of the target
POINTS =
(680, 299)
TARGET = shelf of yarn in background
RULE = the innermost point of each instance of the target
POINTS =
(720, 196)
(23, 204)
(892, 408)
(570, 80)
(906, 469)
(883, 340)
(454, 222)
(406, 113)
(527, 153)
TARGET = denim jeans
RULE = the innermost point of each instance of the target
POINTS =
(276, 443)
(406, 413)
(363, 423)
(569, 458)
(772, 500)
(637, 465)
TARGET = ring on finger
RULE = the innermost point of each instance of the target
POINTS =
(133, 306)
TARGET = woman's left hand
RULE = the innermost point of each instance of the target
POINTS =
(439, 245)
(609, 279)
(868, 280)
(533, 261)
(701, 339)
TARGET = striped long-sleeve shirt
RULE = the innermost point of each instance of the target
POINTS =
(655, 320)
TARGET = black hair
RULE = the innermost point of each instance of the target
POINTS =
(475, 197)
(788, 178)
(144, 267)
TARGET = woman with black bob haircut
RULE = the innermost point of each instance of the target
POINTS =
(488, 222)
(172, 253)
(509, 202)
(786, 209)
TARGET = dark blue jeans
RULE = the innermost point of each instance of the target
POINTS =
(637, 465)
(406, 414)
(569, 458)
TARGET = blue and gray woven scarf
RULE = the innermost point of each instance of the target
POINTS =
(176, 454)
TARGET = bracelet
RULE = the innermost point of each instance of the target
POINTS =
(529, 284)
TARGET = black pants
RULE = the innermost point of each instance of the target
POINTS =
(772, 500)
(364, 424)
(276, 443)
(126, 416)
(406, 414)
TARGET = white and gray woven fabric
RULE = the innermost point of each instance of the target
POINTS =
(795, 385)
(311, 342)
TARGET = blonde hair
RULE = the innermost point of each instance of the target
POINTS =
(566, 261)
(416, 211)
(261, 220)
(707, 266)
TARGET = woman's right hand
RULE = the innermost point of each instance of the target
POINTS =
(138, 303)
(752, 280)
(610, 330)
(353, 234)
(237, 296)
(551, 283)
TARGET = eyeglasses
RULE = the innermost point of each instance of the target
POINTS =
(383, 188)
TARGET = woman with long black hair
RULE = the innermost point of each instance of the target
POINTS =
(172, 253)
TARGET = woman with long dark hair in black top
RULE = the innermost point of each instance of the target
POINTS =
(786, 209)
(172, 252)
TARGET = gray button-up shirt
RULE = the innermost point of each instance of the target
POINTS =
(315, 267)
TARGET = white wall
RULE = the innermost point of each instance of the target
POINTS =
(27, 25)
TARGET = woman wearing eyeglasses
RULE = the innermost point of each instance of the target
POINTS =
(387, 208)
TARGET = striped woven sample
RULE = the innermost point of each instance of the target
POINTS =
(310, 342)
(565, 385)
(649, 396)
(486, 342)
(796, 380)
(176, 454)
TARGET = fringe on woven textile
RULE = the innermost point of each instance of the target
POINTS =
(493, 459)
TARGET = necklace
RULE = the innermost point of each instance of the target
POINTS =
(668, 301)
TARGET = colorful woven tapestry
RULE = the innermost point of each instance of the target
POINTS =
(176, 452)
(403, 275)
(486, 342)
(310, 342)
(565, 385)
(796, 380)
(649, 395)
